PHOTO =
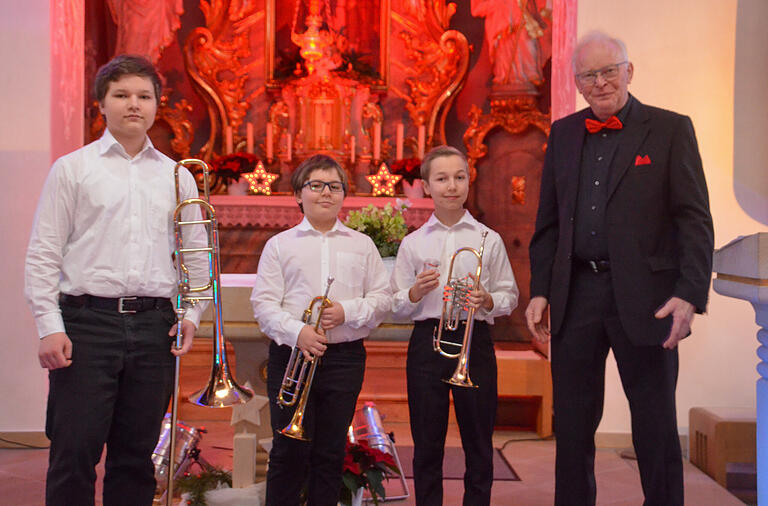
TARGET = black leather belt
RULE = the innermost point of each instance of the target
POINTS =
(119, 304)
(595, 265)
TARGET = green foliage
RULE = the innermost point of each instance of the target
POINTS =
(386, 226)
(198, 484)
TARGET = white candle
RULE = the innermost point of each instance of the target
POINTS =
(289, 146)
(422, 140)
(351, 149)
(249, 137)
(229, 142)
(268, 142)
(400, 133)
(377, 141)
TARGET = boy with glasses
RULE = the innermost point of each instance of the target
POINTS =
(294, 268)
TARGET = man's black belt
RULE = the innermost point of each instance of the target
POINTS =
(594, 265)
(118, 304)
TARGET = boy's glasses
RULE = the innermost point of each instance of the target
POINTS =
(319, 186)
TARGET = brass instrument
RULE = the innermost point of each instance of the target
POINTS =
(455, 297)
(222, 390)
(298, 373)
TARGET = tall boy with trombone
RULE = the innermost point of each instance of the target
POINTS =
(99, 278)
(295, 268)
(422, 268)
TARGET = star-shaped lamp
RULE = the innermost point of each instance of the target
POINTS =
(260, 181)
(383, 182)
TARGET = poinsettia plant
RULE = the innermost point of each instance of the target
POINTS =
(365, 467)
(409, 168)
(231, 167)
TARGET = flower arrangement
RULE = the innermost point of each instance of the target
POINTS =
(385, 226)
(365, 467)
(231, 167)
(409, 168)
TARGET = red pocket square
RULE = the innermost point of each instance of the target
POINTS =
(642, 160)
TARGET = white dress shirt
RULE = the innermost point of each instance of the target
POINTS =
(294, 268)
(104, 227)
(434, 240)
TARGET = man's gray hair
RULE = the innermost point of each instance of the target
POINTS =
(597, 36)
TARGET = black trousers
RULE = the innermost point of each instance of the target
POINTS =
(649, 378)
(316, 465)
(116, 392)
(428, 404)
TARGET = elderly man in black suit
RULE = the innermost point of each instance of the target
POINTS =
(622, 256)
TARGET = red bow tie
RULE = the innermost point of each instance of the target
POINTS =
(594, 126)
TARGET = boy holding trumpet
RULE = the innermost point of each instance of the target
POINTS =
(421, 268)
(294, 268)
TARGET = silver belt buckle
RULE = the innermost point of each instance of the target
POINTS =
(120, 308)
(593, 266)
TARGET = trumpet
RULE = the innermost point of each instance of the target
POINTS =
(455, 297)
(222, 390)
(300, 372)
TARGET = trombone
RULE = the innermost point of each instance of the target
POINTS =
(455, 297)
(299, 373)
(222, 390)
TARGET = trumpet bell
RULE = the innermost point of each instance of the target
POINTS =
(221, 391)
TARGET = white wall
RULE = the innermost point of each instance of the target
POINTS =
(24, 162)
(683, 53)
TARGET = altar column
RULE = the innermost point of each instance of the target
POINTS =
(742, 273)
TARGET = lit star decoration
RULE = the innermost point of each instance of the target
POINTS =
(260, 181)
(383, 182)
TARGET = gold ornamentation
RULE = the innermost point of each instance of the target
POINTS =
(517, 187)
(215, 58)
(260, 181)
(512, 113)
(178, 119)
(383, 182)
(441, 61)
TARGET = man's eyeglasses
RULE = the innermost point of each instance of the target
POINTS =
(319, 186)
(609, 73)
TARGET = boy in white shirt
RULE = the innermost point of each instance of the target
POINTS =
(99, 279)
(294, 268)
(420, 272)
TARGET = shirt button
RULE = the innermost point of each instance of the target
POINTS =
(594, 207)
(599, 158)
(597, 183)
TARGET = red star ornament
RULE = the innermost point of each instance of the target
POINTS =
(260, 181)
(383, 182)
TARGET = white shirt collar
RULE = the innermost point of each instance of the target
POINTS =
(108, 142)
(466, 220)
(306, 226)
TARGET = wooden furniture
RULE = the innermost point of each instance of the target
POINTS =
(719, 436)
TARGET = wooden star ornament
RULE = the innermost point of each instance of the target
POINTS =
(260, 181)
(383, 182)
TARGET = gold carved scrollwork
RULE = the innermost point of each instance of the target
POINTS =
(441, 61)
(177, 119)
(215, 58)
(512, 113)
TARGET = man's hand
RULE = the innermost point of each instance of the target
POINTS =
(478, 297)
(534, 316)
(682, 316)
(426, 281)
(333, 316)
(187, 336)
(55, 351)
(311, 343)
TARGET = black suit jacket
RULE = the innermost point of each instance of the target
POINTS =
(658, 225)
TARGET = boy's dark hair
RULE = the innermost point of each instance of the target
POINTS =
(438, 152)
(315, 162)
(125, 65)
